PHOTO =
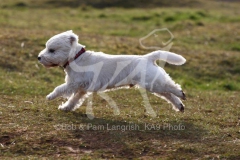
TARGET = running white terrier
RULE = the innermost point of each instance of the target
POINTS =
(88, 71)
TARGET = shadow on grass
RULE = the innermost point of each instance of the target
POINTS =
(111, 3)
(123, 4)
(108, 137)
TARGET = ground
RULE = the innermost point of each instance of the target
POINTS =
(205, 33)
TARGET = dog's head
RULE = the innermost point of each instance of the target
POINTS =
(59, 49)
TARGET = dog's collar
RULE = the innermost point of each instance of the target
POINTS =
(77, 55)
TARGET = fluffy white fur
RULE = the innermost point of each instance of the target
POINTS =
(96, 71)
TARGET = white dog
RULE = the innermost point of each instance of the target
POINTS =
(88, 71)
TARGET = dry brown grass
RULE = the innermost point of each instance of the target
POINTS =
(32, 128)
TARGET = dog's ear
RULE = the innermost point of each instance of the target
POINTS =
(72, 40)
(73, 37)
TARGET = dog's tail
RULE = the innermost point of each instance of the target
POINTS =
(169, 57)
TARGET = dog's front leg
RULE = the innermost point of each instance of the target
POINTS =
(58, 91)
(74, 101)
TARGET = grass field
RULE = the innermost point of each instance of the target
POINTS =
(206, 33)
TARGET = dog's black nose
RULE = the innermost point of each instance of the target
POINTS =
(39, 58)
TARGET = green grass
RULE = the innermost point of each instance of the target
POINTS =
(206, 34)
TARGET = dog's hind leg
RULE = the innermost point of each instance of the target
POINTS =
(174, 100)
(162, 83)
(168, 86)
(74, 101)
(175, 89)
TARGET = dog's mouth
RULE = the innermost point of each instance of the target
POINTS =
(49, 65)
(52, 65)
(46, 63)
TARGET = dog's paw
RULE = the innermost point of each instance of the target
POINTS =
(50, 97)
(178, 107)
(65, 107)
(181, 109)
(183, 95)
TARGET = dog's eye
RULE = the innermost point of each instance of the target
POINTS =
(51, 50)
